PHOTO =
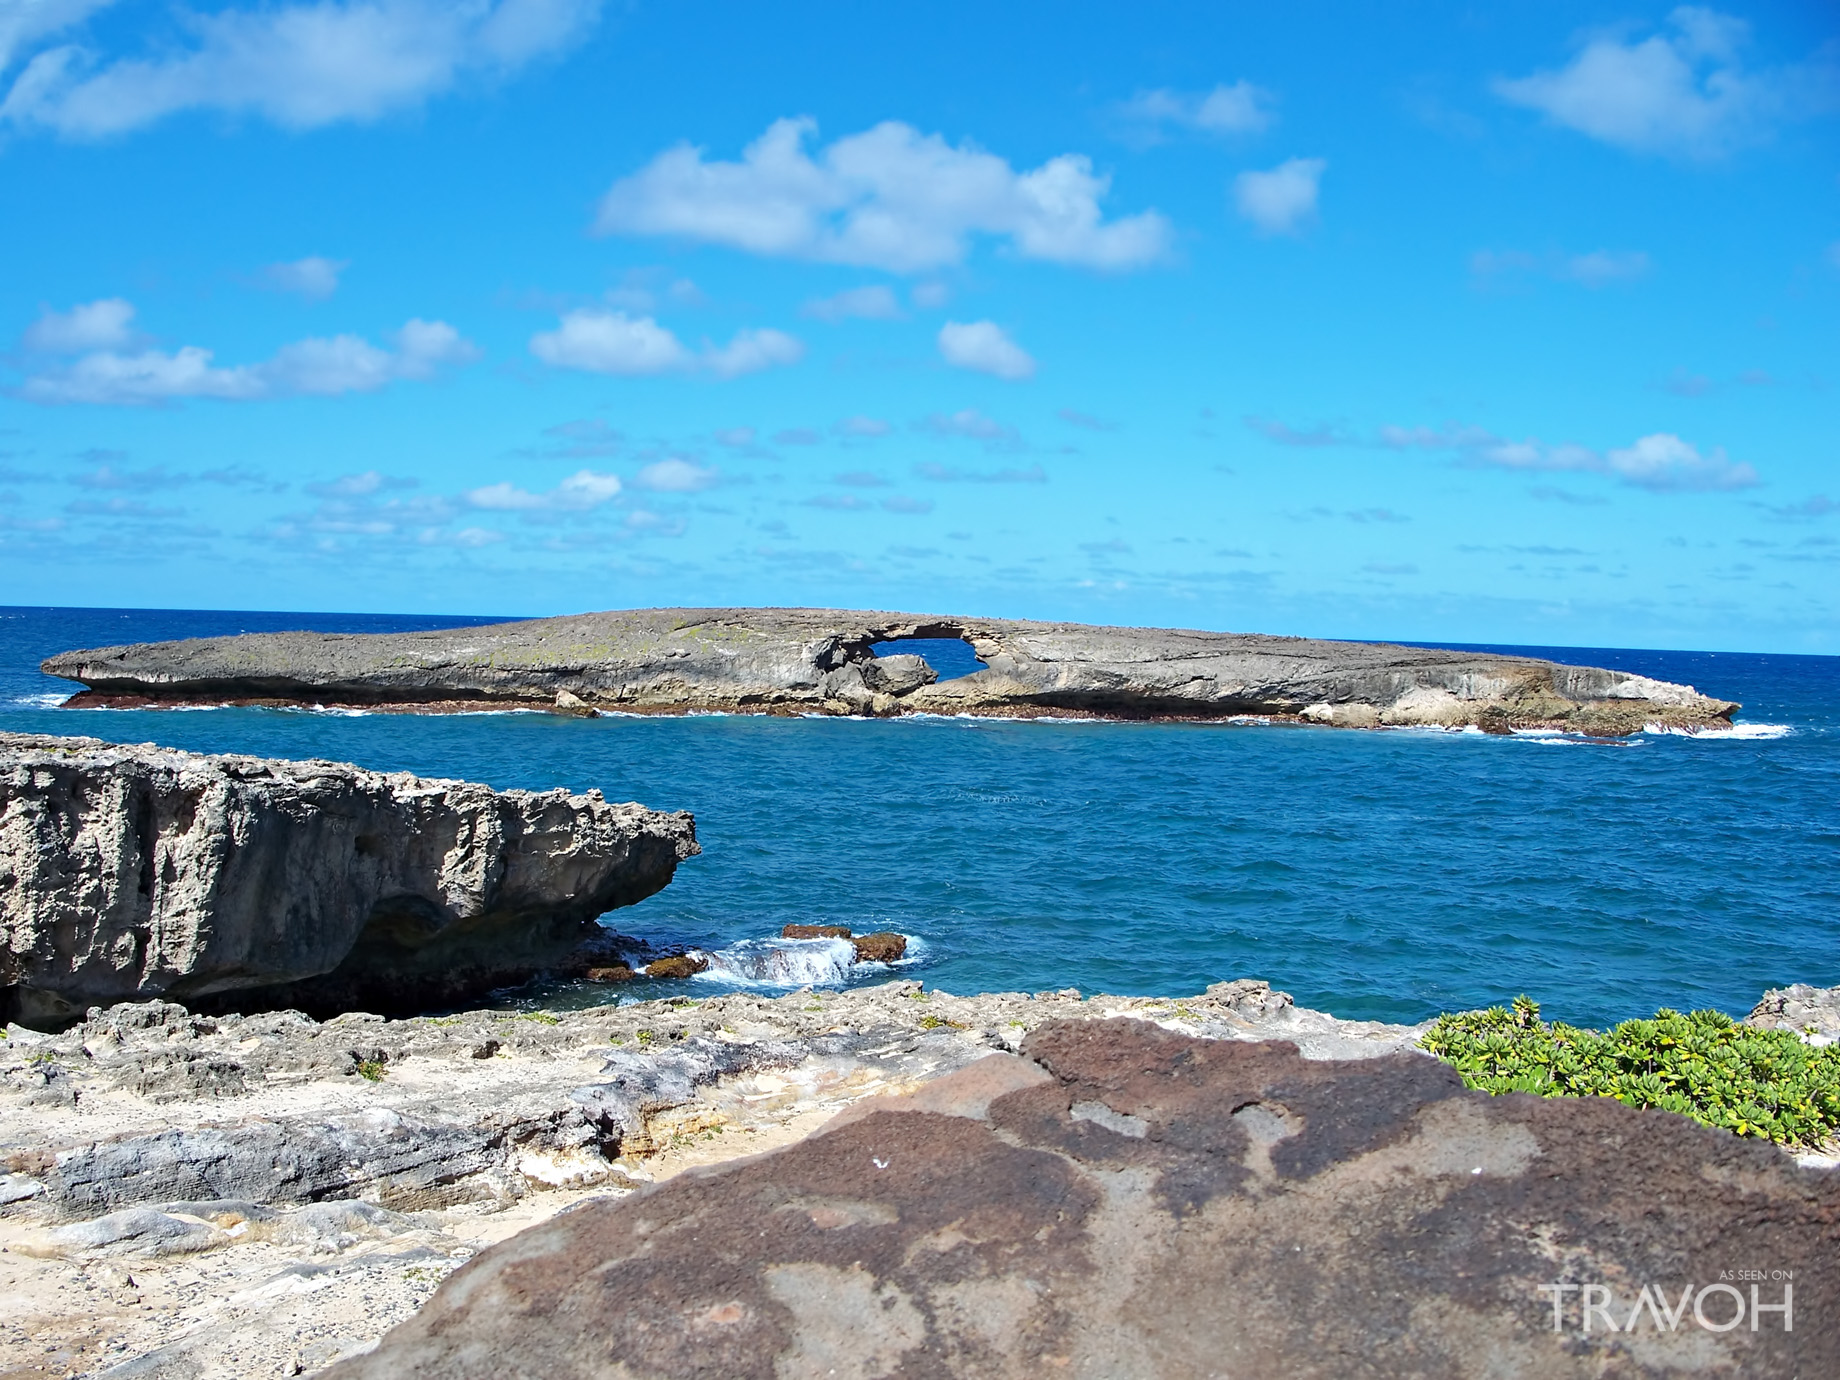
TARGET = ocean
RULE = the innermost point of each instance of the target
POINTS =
(1385, 874)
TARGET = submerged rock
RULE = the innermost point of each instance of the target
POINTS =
(239, 882)
(1124, 1201)
(822, 661)
(884, 946)
(676, 966)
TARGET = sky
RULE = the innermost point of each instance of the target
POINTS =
(1508, 322)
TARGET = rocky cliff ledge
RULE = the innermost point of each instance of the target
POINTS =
(139, 871)
(822, 661)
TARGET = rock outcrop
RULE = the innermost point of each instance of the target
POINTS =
(230, 881)
(1122, 1201)
(1810, 1011)
(822, 661)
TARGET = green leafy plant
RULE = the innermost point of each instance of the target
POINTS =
(1764, 1083)
(371, 1069)
(541, 1017)
(933, 1022)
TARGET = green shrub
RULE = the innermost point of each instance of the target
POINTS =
(1764, 1083)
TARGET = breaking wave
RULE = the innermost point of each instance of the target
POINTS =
(793, 963)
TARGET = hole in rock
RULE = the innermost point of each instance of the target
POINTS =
(950, 657)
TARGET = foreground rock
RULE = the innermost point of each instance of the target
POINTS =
(135, 872)
(209, 1198)
(1123, 1201)
(1813, 1012)
(821, 661)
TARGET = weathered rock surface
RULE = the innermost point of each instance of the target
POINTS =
(820, 661)
(1808, 1010)
(140, 871)
(1123, 1201)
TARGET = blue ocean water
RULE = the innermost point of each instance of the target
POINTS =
(1387, 874)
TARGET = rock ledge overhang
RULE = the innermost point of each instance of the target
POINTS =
(820, 661)
(140, 871)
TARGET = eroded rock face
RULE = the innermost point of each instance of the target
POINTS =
(1125, 1202)
(139, 871)
(820, 660)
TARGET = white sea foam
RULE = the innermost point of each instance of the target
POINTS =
(49, 700)
(783, 963)
(1737, 733)
(780, 962)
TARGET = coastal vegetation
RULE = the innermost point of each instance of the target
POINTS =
(1771, 1084)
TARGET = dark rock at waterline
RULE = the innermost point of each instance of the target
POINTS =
(882, 947)
(800, 661)
(618, 972)
(232, 882)
(815, 932)
(1127, 1202)
(678, 966)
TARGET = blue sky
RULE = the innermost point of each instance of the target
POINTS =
(1507, 323)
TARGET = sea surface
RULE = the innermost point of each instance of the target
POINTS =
(1384, 874)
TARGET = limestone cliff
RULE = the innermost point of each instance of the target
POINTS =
(139, 871)
(821, 661)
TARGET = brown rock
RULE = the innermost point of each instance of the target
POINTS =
(619, 972)
(815, 932)
(680, 966)
(1133, 1203)
(885, 946)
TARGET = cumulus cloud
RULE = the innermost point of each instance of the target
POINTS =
(611, 342)
(873, 303)
(1683, 91)
(1660, 462)
(301, 66)
(1239, 108)
(862, 428)
(983, 346)
(890, 198)
(1085, 421)
(901, 503)
(581, 492)
(676, 475)
(752, 351)
(112, 375)
(1282, 201)
(861, 479)
(797, 436)
(737, 437)
(313, 277)
(103, 325)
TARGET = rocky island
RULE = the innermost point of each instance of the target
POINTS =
(832, 661)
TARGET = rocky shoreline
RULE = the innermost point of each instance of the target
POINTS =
(234, 882)
(826, 661)
(178, 1185)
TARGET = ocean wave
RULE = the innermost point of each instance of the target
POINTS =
(51, 699)
(1737, 733)
(777, 962)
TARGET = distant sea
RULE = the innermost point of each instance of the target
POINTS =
(1384, 874)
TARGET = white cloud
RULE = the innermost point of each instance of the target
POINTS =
(889, 198)
(737, 437)
(929, 296)
(675, 475)
(102, 325)
(751, 351)
(24, 22)
(1282, 201)
(1240, 108)
(1598, 268)
(611, 342)
(579, 493)
(970, 423)
(873, 303)
(1660, 462)
(108, 374)
(302, 65)
(983, 346)
(862, 427)
(1683, 91)
(313, 277)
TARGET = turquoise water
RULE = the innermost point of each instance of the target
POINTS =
(1377, 874)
